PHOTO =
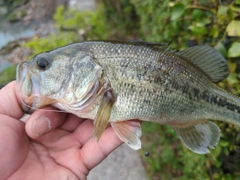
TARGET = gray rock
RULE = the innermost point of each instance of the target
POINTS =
(83, 5)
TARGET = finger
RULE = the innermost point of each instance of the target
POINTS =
(94, 152)
(61, 140)
(84, 132)
(71, 123)
(44, 120)
(9, 101)
(14, 145)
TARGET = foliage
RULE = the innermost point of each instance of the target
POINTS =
(8, 75)
(43, 44)
(91, 25)
(71, 26)
(123, 20)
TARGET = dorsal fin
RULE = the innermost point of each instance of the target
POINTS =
(155, 46)
(209, 60)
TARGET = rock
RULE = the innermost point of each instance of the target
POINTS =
(3, 10)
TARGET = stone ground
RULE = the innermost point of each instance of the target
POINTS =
(122, 164)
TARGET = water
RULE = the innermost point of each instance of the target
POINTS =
(10, 32)
(4, 64)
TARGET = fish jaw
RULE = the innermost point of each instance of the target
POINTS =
(29, 90)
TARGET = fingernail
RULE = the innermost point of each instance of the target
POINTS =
(41, 126)
(25, 118)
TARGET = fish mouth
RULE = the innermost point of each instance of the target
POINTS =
(27, 88)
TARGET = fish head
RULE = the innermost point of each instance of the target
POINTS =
(57, 77)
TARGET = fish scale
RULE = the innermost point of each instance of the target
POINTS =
(162, 102)
(134, 80)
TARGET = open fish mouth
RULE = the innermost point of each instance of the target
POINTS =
(28, 89)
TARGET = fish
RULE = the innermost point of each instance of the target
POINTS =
(115, 82)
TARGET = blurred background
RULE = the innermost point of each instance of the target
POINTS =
(28, 27)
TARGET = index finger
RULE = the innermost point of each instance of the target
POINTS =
(94, 152)
(9, 101)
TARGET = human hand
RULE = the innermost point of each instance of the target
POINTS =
(50, 145)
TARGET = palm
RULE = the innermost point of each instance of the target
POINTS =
(67, 151)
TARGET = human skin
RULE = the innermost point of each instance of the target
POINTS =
(47, 145)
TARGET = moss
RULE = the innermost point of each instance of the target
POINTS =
(8, 75)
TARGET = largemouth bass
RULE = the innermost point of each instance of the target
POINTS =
(113, 82)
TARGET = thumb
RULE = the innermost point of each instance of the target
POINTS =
(43, 121)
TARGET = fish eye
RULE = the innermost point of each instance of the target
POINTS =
(42, 63)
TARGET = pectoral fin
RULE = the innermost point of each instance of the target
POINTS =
(129, 132)
(199, 137)
(103, 115)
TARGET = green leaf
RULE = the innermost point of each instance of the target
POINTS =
(232, 66)
(222, 11)
(235, 8)
(232, 79)
(233, 28)
(203, 22)
(231, 14)
(197, 14)
(223, 143)
(221, 48)
(234, 50)
(237, 1)
(214, 31)
(198, 30)
(177, 11)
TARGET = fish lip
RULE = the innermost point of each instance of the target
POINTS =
(19, 77)
(27, 109)
(30, 97)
